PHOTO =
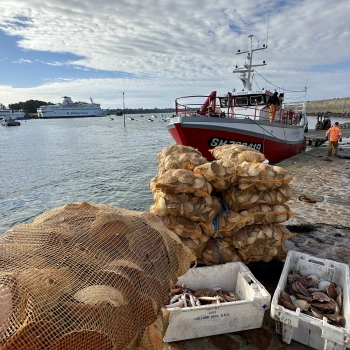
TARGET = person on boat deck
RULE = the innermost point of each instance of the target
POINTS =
(274, 101)
(334, 134)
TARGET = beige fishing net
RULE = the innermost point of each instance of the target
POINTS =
(237, 213)
(86, 276)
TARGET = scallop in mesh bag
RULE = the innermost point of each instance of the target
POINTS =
(221, 173)
(263, 176)
(76, 277)
(267, 214)
(182, 181)
(238, 153)
(237, 199)
(260, 236)
(185, 204)
(179, 157)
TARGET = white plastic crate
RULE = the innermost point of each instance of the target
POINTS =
(310, 331)
(207, 320)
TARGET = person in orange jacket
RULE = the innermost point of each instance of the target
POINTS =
(334, 134)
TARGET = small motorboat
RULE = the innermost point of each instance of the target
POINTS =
(9, 121)
(150, 120)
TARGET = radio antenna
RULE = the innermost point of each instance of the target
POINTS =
(267, 31)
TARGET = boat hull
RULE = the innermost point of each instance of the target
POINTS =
(70, 116)
(12, 114)
(277, 141)
(10, 123)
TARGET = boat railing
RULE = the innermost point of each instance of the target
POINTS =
(238, 108)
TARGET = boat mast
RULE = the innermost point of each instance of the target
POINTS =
(248, 66)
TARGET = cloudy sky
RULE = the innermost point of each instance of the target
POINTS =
(157, 50)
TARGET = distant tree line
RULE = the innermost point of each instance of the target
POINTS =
(29, 106)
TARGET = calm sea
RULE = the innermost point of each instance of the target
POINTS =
(48, 163)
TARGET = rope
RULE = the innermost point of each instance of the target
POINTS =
(216, 219)
(278, 86)
(223, 207)
(221, 260)
(283, 141)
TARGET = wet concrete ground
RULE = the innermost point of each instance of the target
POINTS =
(321, 229)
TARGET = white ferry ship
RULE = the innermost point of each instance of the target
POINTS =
(70, 109)
(14, 114)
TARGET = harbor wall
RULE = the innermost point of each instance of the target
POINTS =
(340, 106)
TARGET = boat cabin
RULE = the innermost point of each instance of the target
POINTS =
(251, 98)
(241, 105)
(234, 104)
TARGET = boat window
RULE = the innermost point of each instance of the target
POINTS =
(256, 99)
(225, 102)
(241, 101)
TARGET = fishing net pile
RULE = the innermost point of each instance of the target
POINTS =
(230, 209)
(85, 276)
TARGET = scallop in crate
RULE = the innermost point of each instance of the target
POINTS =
(311, 302)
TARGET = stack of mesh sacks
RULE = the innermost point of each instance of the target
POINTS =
(87, 276)
(230, 209)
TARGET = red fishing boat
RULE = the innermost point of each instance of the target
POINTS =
(241, 117)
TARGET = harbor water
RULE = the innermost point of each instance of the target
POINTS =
(48, 163)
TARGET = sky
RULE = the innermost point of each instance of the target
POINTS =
(156, 51)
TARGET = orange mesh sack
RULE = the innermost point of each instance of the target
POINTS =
(267, 214)
(260, 236)
(183, 181)
(221, 173)
(196, 245)
(179, 157)
(182, 226)
(152, 184)
(79, 274)
(228, 151)
(230, 222)
(237, 199)
(187, 228)
(266, 254)
(185, 204)
(238, 153)
(217, 251)
(263, 176)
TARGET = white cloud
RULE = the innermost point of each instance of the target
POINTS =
(22, 61)
(184, 47)
(51, 63)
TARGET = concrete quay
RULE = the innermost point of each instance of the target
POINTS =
(321, 229)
